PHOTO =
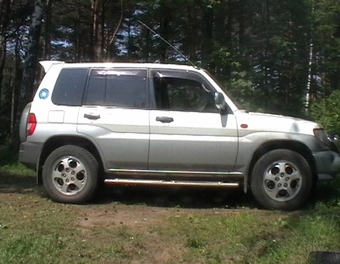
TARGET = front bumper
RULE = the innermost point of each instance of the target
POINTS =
(29, 153)
(327, 164)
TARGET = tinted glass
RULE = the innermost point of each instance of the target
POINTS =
(117, 87)
(96, 87)
(126, 89)
(69, 87)
(180, 94)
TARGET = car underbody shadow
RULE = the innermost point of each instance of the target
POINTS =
(186, 197)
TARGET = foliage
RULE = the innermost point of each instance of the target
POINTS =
(268, 54)
(327, 112)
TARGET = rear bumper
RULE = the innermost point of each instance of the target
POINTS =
(29, 153)
(327, 164)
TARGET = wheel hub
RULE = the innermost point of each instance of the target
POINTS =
(282, 181)
(69, 175)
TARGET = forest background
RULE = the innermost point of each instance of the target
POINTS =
(278, 56)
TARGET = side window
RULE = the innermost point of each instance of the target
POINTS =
(182, 94)
(69, 87)
(117, 87)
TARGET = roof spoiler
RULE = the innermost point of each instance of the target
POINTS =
(47, 64)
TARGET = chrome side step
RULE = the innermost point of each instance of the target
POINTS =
(236, 175)
(171, 183)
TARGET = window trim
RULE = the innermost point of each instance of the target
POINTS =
(181, 74)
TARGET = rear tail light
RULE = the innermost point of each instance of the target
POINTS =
(31, 124)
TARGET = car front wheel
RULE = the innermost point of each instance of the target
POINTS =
(281, 179)
(70, 175)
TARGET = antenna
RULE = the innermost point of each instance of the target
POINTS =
(167, 42)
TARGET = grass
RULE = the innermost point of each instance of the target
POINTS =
(9, 163)
(150, 226)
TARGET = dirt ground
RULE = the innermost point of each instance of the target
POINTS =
(139, 209)
(137, 206)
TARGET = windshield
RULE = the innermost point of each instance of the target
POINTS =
(238, 105)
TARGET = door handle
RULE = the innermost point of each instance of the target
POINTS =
(164, 119)
(92, 116)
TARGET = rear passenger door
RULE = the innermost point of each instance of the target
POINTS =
(115, 117)
(187, 131)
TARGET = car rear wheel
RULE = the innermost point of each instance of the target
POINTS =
(70, 175)
(281, 179)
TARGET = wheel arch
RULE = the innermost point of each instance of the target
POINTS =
(295, 146)
(55, 142)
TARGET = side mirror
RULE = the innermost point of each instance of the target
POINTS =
(220, 102)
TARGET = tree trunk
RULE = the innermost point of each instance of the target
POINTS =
(47, 35)
(15, 113)
(17, 84)
(30, 64)
(265, 56)
(77, 32)
(4, 20)
(207, 35)
(164, 30)
(27, 87)
(241, 19)
(114, 34)
(98, 33)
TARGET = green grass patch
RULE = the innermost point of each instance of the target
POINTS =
(226, 237)
(256, 236)
(14, 175)
(311, 231)
(17, 169)
(32, 248)
(34, 229)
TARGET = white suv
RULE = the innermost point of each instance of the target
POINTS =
(167, 125)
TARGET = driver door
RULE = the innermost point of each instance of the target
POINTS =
(187, 131)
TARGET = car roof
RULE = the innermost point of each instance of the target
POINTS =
(48, 64)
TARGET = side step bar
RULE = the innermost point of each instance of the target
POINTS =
(171, 183)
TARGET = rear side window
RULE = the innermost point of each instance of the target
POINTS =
(69, 87)
(117, 88)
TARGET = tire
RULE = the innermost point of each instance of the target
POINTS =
(70, 175)
(282, 180)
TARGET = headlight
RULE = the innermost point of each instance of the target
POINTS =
(333, 138)
(321, 135)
